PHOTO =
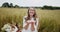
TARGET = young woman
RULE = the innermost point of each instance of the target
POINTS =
(30, 22)
(14, 28)
(6, 28)
(10, 27)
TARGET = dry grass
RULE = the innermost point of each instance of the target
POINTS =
(49, 20)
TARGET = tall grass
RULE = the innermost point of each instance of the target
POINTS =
(49, 25)
(9, 19)
(48, 22)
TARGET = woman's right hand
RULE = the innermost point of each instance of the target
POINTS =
(26, 26)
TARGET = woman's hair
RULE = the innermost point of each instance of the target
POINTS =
(34, 16)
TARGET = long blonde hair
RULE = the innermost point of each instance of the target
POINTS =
(28, 17)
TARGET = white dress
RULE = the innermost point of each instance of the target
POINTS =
(29, 27)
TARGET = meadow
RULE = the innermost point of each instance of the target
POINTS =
(49, 20)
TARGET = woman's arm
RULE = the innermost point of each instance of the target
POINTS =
(32, 26)
(25, 24)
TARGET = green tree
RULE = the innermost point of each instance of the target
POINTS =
(6, 4)
(16, 6)
(11, 5)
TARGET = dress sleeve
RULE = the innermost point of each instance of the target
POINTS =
(24, 23)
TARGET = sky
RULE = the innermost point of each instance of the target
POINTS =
(29, 3)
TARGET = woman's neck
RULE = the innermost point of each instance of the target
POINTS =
(31, 16)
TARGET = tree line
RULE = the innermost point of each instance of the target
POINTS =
(6, 4)
(50, 7)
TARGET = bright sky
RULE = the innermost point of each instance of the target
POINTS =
(32, 2)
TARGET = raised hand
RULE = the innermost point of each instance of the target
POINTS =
(32, 26)
(26, 26)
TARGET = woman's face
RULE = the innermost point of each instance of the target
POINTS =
(31, 11)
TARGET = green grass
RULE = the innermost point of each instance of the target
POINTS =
(49, 20)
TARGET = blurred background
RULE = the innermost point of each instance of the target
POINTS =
(48, 12)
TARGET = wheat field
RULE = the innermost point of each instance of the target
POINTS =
(49, 20)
